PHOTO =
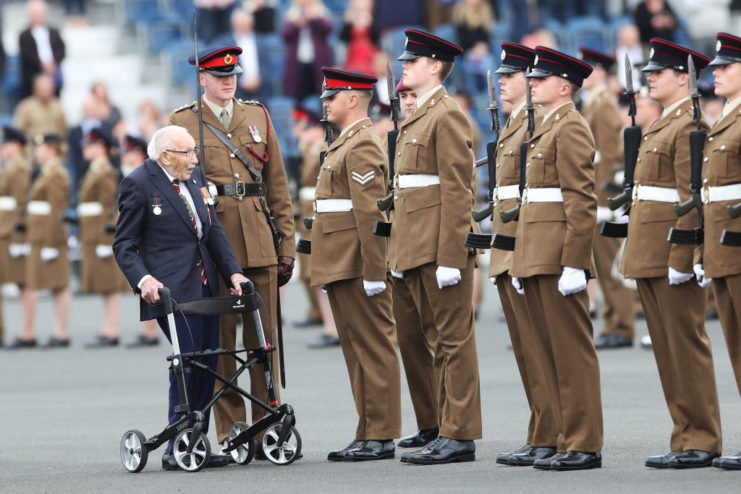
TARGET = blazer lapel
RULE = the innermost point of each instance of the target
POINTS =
(167, 191)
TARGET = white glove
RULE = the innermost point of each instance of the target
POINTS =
(572, 281)
(604, 214)
(447, 276)
(621, 216)
(677, 278)
(518, 286)
(493, 280)
(49, 253)
(700, 275)
(103, 251)
(373, 287)
(397, 274)
(17, 250)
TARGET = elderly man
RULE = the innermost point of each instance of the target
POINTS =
(168, 234)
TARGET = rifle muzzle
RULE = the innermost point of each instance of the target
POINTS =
(685, 207)
(483, 212)
(386, 203)
(734, 211)
(510, 214)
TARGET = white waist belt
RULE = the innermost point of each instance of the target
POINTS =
(89, 209)
(546, 194)
(41, 208)
(721, 193)
(7, 203)
(658, 194)
(307, 193)
(506, 192)
(332, 205)
(416, 180)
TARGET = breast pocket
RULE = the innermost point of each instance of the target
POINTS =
(417, 150)
(256, 152)
(658, 163)
(723, 161)
(541, 168)
(509, 165)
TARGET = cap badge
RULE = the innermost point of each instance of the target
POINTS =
(718, 46)
(651, 53)
(228, 59)
(504, 54)
(535, 62)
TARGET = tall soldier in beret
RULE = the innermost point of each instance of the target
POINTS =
(603, 116)
(674, 305)
(248, 192)
(542, 431)
(350, 262)
(432, 216)
(96, 210)
(553, 258)
(722, 188)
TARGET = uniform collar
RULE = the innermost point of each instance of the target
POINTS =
(344, 131)
(669, 109)
(216, 109)
(421, 100)
(556, 109)
(729, 107)
(516, 111)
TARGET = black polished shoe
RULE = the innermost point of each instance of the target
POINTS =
(102, 341)
(420, 438)
(142, 340)
(608, 341)
(368, 451)
(728, 462)
(661, 461)
(55, 342)
(693, 458)
(19, 343)
(545, 463)
(216, 461)
(527, 459)
(324, 341)
(308, 323)
(340, 455)
(169, 463)
(442, 450)
(504, 458)
(576, 460)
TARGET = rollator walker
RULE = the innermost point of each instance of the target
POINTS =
(281, 441)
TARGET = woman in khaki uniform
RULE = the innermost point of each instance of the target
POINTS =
(96, 210)
(15, 174)
(48, 265)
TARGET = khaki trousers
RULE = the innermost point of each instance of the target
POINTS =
(727, 292)
(564, 341)
(456, 360)
(230, 407)
(675, 316)
(617, 311)
(367, 336)
(415, 332)
(542, 430)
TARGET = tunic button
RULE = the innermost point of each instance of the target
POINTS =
(710, 139)
(236, 175)
(540, 155)
(705, 159)
(405, 132)
(705, 181)
(231, 155)
(645, 138)
(532, 146)
(497, 165)
(414, 140)
(229, 136)
(528, 164)
(398, 154)
(638, 160)
(723, 147)
(501, 145)
(654, 150)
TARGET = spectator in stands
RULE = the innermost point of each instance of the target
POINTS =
(473, 20)
(249, 82)
(264, 14)
(392, 13)
(107, 112)
(655, 19)
(629, 42)
(41, 112)
(361, 35)
(307, 26)
(540, 37)
(76, 12)
(213, 18)
(150, 119)
(41, 49)
(89, 120)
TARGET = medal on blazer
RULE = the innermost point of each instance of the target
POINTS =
(207, 199)
(156, 209)
(255, 133)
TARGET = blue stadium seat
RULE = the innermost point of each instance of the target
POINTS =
(11, 82)
(223, 39)
(586, 31)
(281, 112)
(559, 32)
(447, 31)
(613, 27)
(146, 11)
(270, 54)
(162, 33)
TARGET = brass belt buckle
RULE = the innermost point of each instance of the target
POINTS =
(396, 181)
(524, 195)
(706, 194)
(239, 190)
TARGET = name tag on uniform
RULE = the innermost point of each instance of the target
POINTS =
(255, 133)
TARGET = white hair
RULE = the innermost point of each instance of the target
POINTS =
(162, 139)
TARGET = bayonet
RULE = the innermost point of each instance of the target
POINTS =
(393, 98)
(629, 90)
(199, 103)
(493, 108)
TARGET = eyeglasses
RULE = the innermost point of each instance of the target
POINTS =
(189, 152)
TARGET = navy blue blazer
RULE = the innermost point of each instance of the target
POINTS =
(165, 245)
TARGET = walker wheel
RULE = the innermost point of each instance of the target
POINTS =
(133, 452)
(195, 460)
(288, 451)
(245, 452)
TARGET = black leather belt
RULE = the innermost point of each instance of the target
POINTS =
(238, 190)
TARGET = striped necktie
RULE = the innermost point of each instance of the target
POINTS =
(176, 184)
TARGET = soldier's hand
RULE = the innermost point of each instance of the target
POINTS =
(49, 253)
(572, 281)
(677, 277)
(397, 274)
(518, 285)
(149, 290)
(699, 270)
(285, 269)
(374, 287)
(103, 251)
(447, 276)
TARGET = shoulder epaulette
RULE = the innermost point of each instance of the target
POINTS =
(250, 102)
(189, 105)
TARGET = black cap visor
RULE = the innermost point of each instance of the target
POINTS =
(224, 71)
(721, 60)
(508, 69)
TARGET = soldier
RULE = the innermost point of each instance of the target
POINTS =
(14, 183)
(553, 259)
(415, 333)
(542, 432)
(96, 210)
(674, 307)
(249, 192)
(42, 112)
(48, 266)
(432, 202)
(350, 263)
(721, 188)
(603, 116)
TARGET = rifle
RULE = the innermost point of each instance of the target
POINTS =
(478, 240)
(383, 228)
(511, 214)
(631, 143)
(202, 152)
(697, 143)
